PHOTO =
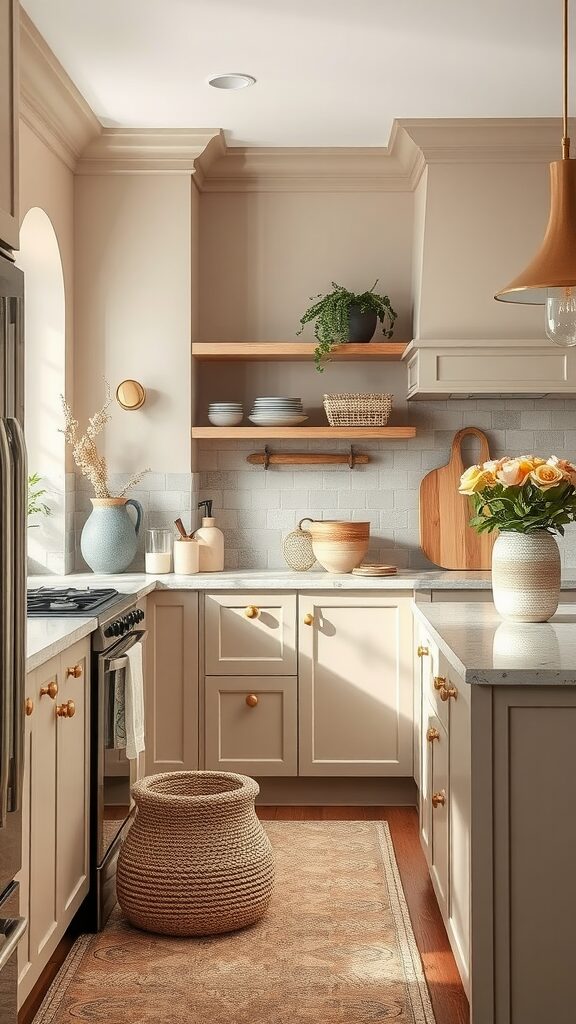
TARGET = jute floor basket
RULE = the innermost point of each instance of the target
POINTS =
(196, 860)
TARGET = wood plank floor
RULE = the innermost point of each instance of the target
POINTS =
(448, 997)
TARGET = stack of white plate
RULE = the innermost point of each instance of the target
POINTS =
(225, 414)
(277, 412)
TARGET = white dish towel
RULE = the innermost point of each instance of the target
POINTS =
(134, 703)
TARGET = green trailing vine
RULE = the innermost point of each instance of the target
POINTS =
(35, 493)
(330, 316)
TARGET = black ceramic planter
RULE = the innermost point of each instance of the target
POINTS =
(361, 326)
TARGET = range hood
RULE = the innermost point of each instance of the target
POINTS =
(495, 367)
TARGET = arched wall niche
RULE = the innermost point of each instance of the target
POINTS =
(45, 359)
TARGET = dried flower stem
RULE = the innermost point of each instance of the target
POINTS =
(85, 452)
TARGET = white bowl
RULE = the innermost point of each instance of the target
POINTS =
(226, 419)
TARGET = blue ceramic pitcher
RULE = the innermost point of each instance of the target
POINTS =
(110, 537)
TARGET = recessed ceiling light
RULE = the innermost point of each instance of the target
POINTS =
(231, 81)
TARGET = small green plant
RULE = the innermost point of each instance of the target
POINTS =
(35, 493)
(331, 312)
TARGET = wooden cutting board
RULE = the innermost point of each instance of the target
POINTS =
(445, 536)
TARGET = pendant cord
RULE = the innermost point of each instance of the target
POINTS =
(565, 136)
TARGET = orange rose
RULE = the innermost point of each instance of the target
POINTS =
(515, 472)
(546, 476)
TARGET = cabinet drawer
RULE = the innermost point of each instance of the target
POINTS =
(251, 725)
(439, 686)
(250, 634)
(436, 803)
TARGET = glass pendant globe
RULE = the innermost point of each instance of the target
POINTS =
(560, 324)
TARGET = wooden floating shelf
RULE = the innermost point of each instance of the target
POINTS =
(311, 433)
(296, 351)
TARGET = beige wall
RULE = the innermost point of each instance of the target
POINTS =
(133, 295)
(483, 222)
(264, 254)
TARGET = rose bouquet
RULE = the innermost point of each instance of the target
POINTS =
(521, 495)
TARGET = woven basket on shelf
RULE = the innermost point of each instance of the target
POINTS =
(358, 410)
(196, 860)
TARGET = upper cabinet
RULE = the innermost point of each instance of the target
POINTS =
(493, 367)
(9, 123)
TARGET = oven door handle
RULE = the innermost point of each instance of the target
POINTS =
(12, 930)
(115, 664)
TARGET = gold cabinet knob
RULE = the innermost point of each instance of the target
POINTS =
(439, 799)
(308, 619)
(49, 691)
(251, 700)
(439, 682)
(432, 734)
(252, 612)
(29, 706)
(67, 710)
(422, 651)
(75, 671)
(447, 692)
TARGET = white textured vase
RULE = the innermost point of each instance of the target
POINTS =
(526, 576)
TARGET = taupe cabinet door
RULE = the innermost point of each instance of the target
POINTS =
(251, 724)
(172, 682)
(73, 781)
(9, 230)
(355, 684)
(55, 835)
(250, 634)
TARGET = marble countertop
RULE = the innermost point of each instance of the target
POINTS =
(483, 648)
(47, 637)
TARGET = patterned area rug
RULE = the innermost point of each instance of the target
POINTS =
(336, 947)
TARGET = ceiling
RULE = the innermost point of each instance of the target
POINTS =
(329, 72)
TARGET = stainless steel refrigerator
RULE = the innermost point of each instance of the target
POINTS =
(13, 508)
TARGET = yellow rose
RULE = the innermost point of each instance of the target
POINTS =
(474, 479)
(515, 472)
(546, 476)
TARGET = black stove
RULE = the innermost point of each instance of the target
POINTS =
(51, 602)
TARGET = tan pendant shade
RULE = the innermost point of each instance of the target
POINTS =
(554, 265)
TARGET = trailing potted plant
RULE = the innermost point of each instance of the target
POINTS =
(343, 316)
(109, 538)
(36, 507)
(528, 499)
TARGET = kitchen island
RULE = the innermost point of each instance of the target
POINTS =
(497, 814)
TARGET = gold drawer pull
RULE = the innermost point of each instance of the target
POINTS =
(251, 700)
(252, 612)
(439, 799)
(29, 706)
(448, 691)
(432, 734)
(439, 682)
(308, 619)
(422, 651)
(67, 710)
(49, 691)
(75, 671)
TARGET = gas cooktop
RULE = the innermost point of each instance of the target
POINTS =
(50, 602)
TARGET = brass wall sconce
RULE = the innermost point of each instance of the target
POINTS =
(130, 395)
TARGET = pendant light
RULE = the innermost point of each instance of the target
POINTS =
(550, 279)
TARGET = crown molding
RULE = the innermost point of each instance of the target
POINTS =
(312, 169)
(485, 140)
(146, 150)
(50, 103)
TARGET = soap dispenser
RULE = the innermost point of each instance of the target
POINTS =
(210, 541)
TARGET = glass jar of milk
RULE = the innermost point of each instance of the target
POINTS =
(158, 558)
